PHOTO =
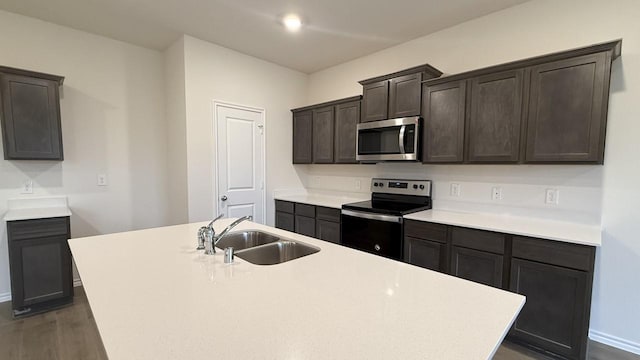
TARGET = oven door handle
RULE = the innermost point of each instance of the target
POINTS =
(371, 216)
(403, 128)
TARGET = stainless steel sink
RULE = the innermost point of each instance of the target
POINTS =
(276, 252)
(246, 239)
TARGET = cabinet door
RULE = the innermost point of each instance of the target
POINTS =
(404, 96)
(328, 231)
(556, 314)
(424, 253)
(495, 117)
(285, 221)
(323, 135)
(305, 226)
(302, 137)
(444, 112)
(375, 101)
(567, 110)
(40, 270)
(30, 118)
(347, 118)
(479, 266)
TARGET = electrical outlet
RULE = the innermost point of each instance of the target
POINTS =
(102, 180)
(455, 189)
(27, 187)
(551, 196)
(496, 193)
(358, 185)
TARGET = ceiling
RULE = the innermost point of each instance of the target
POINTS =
(335, 31)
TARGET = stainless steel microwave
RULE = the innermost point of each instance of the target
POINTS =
(388, 140)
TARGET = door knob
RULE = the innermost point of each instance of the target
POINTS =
(224, 198)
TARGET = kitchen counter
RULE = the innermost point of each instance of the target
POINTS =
(515, 225)
(37, 208)
(327, 200)
(155, 297)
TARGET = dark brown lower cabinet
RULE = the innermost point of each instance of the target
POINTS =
(425, 253)
(305, 226)
(556, 277)
(478, 266)
(285, 221)
(328, 231)
(40, 264)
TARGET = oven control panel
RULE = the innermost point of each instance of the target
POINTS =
(404, 187)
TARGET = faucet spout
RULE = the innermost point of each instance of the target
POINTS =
(231, 226)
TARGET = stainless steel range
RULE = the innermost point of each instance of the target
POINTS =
(376, 225)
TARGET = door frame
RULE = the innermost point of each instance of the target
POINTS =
(214, 148)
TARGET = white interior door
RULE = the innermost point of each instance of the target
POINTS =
(240, 161)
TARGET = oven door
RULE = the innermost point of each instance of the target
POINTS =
(395, 139)
(375, 233)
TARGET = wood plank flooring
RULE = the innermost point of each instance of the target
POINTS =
(70, 333)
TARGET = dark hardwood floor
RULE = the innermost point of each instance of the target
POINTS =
(70, 333)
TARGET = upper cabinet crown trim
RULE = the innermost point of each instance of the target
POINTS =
(33, 74)
(328, 103)
(426, 68)
(615, 47)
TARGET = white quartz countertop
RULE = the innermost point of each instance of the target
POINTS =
(37, 208)
(155, 297)
(327, 200)
(526, 226)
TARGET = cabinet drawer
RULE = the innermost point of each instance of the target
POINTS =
(478, 239)
(328, 214)
(284, 206)
(426, 230)
(32, 229)
(580, 257)
(305, 210)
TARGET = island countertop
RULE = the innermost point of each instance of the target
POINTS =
(154, 296)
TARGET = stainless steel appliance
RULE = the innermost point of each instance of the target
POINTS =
(395, 139)
(376, 225)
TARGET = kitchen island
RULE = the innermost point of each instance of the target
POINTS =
(154, 296)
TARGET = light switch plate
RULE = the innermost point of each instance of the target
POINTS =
(552, 196)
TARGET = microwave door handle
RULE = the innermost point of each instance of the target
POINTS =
(401, 138)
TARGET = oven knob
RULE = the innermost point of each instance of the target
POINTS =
(381, 184)
(375, 184)
(421, 187)
(377, 247)
(415, 186)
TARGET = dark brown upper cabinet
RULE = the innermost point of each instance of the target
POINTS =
(495, 117)
(323, 124)
(375, 101)
(326, 133)
(546, 109)
(395, 95)
(347, 118)
(302, 137)
(30, 117)
(568, 110)
(443, 126)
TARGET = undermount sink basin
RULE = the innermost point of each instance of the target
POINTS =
(246, 239)
(276, 252)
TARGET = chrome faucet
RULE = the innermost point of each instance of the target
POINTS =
(202, 232)
(211, 239)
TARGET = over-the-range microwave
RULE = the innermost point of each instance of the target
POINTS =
(388, 140)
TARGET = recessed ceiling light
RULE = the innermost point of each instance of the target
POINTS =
(292, 22)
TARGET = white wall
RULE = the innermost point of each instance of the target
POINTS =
(175, 105)
(534, 28)
(212, 73)
(112, 122)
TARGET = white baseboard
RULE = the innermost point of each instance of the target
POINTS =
(5, 297)
(615, 341)
(77, 282)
